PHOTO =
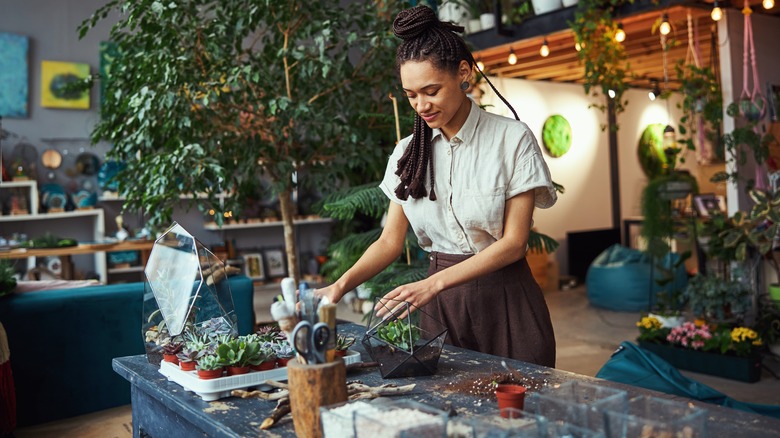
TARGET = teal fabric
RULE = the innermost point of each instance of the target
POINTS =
(62, 343)
(636, 366)
(621, 279)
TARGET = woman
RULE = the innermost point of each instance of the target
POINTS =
(467, 181)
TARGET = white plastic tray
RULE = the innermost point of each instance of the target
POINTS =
(215, 389)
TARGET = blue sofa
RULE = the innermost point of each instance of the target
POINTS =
(62, 343)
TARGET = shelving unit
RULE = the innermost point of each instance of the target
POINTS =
(240, 226)
(32, 187)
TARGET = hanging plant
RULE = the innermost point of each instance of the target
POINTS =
(604, 59)
(556, 135)
(702, 97)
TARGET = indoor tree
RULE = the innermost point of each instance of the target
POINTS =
(244, 97)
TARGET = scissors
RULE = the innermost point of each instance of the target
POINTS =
(311, 341)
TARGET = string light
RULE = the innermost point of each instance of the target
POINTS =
(577, 46)
(717, 12)
(480, 65)
(620, 34)
(545, 49)
(611, 93)
(768, 4)
(665, 27)
(512, 59)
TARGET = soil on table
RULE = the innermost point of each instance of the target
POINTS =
(485, 386)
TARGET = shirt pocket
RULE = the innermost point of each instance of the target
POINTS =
(483, 210)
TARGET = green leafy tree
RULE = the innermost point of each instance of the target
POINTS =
(245, 97)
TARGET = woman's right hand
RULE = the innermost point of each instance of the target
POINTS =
(330, 292)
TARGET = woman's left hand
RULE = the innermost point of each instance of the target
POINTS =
(417, 294)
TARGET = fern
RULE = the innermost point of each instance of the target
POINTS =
(538, 242)
(366, 198)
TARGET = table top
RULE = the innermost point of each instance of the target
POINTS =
(448, 389)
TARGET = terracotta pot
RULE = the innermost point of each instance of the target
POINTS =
(265, 366)
(510, 396)
(187, 366)
(210, 374)
(282, 361)
(232, 370)
(341, 353)
(172, 358)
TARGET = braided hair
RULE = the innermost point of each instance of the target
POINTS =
(425, 38)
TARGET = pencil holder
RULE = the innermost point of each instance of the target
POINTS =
(311, 387)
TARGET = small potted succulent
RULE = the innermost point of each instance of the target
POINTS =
(395, 340)
(343, 343)
(190, 353)
(284, 352)
(209, 367)
(170, 348)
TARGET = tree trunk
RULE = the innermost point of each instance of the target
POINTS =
(285, 204)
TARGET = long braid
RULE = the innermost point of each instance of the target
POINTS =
(425, 38)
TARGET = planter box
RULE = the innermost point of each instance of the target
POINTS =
(745, 369)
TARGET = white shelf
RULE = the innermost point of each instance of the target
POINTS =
(12, 184)
(49, 216)
(125, 270)
(214, 227)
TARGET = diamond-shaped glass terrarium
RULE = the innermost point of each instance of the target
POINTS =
(397, 342)
(185, 288)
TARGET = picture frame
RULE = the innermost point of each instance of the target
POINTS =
(253, 266)
(708, 204)
(275, 262)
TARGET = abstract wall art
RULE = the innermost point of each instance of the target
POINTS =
(14, 73)
(57, 85)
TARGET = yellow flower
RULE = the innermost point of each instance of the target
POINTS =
(741, 334)
(649, 323)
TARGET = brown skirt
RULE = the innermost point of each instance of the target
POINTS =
(502, 313)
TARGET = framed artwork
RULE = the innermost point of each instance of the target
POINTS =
(253, 266)
(14, 72)
(57, 78)
(708, 204)
(275, 262)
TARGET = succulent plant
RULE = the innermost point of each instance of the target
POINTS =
(209, 362)
(344, 342)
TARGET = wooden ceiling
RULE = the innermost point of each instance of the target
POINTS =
(643, 47)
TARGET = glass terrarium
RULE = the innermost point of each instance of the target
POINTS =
(186, 293)
(399, 344)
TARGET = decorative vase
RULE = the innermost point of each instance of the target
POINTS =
(746, 369)
(545, 6)
(172, 358)
(510, 396)
(210, 374)
(188, 365)
(235, 370)
(487, 21)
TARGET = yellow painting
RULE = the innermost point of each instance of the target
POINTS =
(58, 85)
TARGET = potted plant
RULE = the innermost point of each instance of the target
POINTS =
(730, 351)
(397, 342)
(190, 353)
(718, 300)
(768, 324)
(702, 100)
(343, 343)
(209, 367)
(171, 346)
(284, 352)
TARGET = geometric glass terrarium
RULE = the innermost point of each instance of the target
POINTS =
(185, 289)
(397, 342)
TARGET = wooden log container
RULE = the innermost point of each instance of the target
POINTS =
(311, 387)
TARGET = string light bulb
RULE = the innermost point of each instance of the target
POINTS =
(545, 49)
(512, 59)
(611, 93)
(768, 4)
(717, 12)
(665, 27)
(620, 34)
(480, 65)
(577, 46)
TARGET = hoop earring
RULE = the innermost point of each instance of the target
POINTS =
(464, 85)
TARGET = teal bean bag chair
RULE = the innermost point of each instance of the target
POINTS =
(622, 279)
(636, 366)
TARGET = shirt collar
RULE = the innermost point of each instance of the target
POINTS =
(466, 132)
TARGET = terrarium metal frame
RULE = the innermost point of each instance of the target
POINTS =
(407, 356)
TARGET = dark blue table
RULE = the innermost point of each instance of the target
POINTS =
(164, 409)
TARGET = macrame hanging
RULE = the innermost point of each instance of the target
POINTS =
(692, 57)
(752, 103)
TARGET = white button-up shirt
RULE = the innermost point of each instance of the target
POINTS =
(491, 159)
